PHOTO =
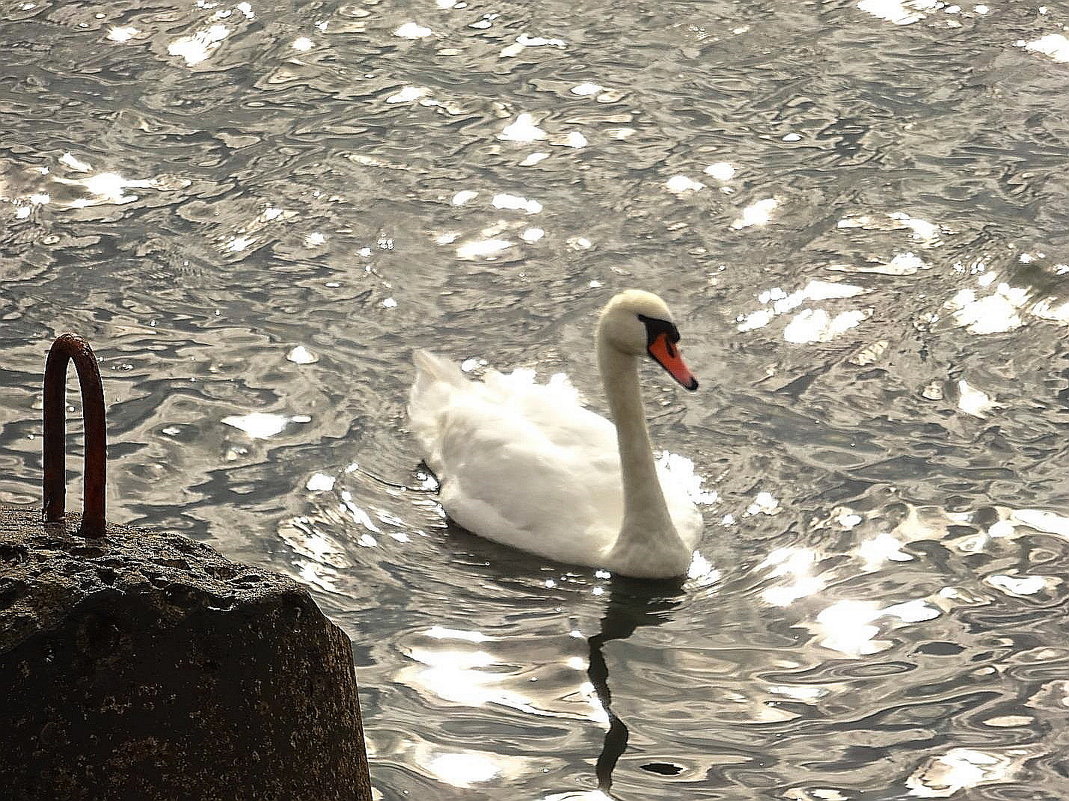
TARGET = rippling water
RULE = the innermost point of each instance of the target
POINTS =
(858, 212)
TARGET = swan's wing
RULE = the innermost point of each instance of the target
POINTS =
(520, 463)
(511, 484)
(556, 407)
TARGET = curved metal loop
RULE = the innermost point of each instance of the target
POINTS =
(63, 350)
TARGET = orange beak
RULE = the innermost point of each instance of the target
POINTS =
(667, 355)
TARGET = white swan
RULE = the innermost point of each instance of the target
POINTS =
(526, 465)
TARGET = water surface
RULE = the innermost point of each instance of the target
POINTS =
(857, 211)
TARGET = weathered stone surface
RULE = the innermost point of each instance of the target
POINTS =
(146, 666)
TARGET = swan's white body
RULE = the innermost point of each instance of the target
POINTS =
(526, 465)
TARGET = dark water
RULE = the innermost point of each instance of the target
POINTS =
(871, 283)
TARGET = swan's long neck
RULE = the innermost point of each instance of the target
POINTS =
(646, 522)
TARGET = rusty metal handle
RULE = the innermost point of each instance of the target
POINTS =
(65, 348)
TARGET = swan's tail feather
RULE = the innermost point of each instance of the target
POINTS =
(432, 392)
(430, 365)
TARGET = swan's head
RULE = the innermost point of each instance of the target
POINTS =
(637, 323)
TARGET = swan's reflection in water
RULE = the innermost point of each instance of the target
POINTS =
(631, 605)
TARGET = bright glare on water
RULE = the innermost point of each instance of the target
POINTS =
(858, 211)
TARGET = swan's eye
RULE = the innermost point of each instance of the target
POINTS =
(655, 327)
